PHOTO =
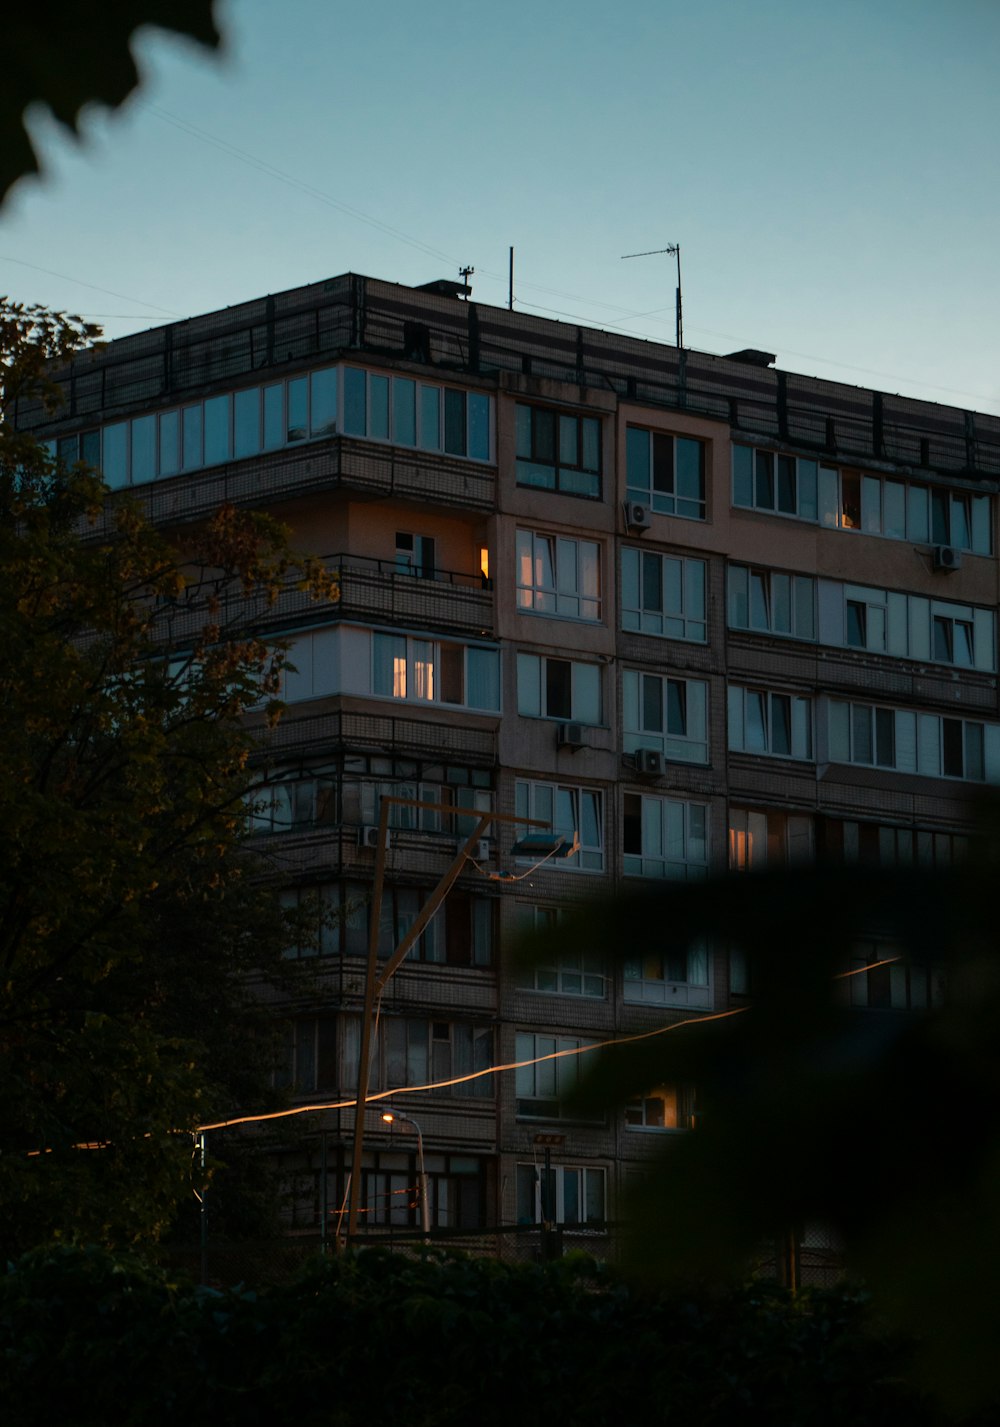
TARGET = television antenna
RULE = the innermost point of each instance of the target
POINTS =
(674, 250)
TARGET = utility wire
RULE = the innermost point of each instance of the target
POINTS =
(475, 1074)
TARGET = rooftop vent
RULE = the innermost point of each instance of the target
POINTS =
(753, 357)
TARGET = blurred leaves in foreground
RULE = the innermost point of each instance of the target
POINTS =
(433, 1342)
(883, 1124)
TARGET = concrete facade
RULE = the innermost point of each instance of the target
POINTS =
(800, 621)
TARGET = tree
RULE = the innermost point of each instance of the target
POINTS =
(129, 918)
(884, 1124)
(442, 1341)
(62, 58)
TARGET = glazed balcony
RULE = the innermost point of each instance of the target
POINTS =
(339, 463)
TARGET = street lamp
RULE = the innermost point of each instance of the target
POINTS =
(390, 1117)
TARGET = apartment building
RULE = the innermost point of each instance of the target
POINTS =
(691, 611)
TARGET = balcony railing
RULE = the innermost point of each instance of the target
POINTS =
(367, 589)
(338, 463)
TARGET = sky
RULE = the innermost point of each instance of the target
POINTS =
(829, 169)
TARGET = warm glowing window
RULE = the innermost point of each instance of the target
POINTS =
(558, 576)
(668, 1107)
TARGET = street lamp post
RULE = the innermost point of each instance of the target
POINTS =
(390, 1117)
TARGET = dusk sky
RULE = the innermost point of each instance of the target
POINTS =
(830, 171)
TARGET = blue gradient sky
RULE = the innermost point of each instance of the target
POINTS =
(829, 169)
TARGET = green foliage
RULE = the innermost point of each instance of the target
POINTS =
(884, 1124)
(441, 1341)
(66, 55)
(129, 918)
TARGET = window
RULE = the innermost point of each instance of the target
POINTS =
(902, 510)
(772, 602)
(667, 714)
(664, 837)
(415, 555)
(557, 576)
(552, 1074)
(565, 1194)
(321, 919)
(429, 671)
(848, 499)
(421, 1052)
(306, 1055)
(558, 688)
(459, 934)
(410, 413)
(251, 420)
(579, 973)
(573, 812)
(911, 742)
(663, 595)
(669, 1107)
(883, 981)
(765, 480)
(907, 626)
(776, 724)
(679, 978)
(335, 919)
(390, 1188)
(878, 845)
(558, 451)
(296, 800)
(667, 473)
(367, 778)
(768, 839)
(962, 520)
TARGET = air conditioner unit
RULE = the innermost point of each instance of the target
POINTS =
(637, 516)
(368, 836)
(946, 557)
(482, 850)
(648, 762)
(570, 735)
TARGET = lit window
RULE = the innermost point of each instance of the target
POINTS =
(668, 1107)
(679, 978)
(558, 576)
(428, 671)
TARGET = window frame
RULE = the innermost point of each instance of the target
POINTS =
(646, 491)
(426, 665)
(801, 731)
(664, 622)
(530, 798)
(686, 699)
(551, 1073)
(535, 693)
(587, 1178)
(801, 593)
(567, 476)
(538, 554)
(693, 835)
(586, 979)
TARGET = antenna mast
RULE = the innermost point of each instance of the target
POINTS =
(674, 249)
